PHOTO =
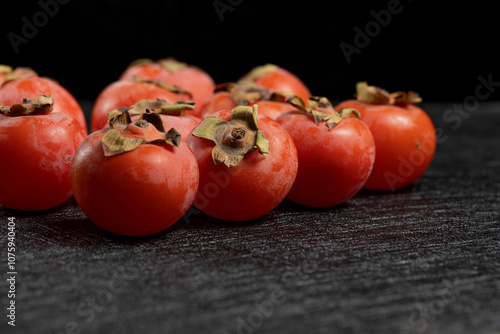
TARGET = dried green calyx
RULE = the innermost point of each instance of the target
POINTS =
(140, 61)
(377, 95)
(258, 72)
(6, 69)
(160, 106)
(170, 63)
(30, 106)
(249, 93)
(160, 83)
(10, 74)
(124, 135)
(244, 95)
(234, 138)
(321, 109)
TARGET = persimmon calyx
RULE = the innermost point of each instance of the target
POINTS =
(162, 84)
(287, 98)
(124, 135)
(5, 69)
(173, 88)
(377, 95)
(172, 64)
(12, 74)
(234, 138)
(316, 107)
(319, 102)
(30, 106)
(250, 93)
(140, 61)
(258, 72)
(161, 106)
(405, 98)
(244, 95)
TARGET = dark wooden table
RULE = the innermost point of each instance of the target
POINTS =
(424, 259)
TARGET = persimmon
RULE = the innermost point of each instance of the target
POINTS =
(405, 137)
(171, 71)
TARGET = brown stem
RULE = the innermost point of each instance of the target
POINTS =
(237, 136)
(238, 133)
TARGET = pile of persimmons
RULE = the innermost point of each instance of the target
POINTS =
(164, 137)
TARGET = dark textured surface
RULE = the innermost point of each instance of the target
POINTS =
(424, 259)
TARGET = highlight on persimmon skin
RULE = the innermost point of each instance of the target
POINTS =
(405, 137)
(169, 70)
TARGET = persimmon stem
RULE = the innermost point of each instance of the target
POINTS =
(141, 123)
(238, 133)
(237, 136)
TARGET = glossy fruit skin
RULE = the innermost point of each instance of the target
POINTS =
(252, 188)
(14, 92)
(37, 153)
(284, 81)
(222, 100)
(333, 164)
(124, 94)
(194, 80)
(405, 141)
(136, 193)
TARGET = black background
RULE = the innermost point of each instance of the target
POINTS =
(437, 48)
